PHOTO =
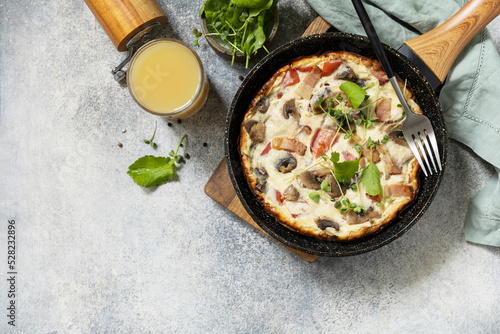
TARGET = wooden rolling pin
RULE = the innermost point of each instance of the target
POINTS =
(121, 19)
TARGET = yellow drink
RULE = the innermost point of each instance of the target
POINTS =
(166, 78)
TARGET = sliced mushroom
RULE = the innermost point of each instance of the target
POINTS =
(306, 130)
(261, 178)
(398, 138)
(262, 105)
(347, 74)
(360, 82)
(324, 97)
(291, 194)
(368, 215)
(290, 109)
(323, 223)
(258, 132)
(312, 178)
(249, 123)
(287, 164)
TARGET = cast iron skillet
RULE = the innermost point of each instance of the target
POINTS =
(317, 44)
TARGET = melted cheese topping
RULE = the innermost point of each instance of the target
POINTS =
(262, 156)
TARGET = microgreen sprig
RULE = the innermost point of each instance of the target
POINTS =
(150, 140)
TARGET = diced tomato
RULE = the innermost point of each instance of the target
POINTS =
(266, 149)
(295, 215)
(330, 66)
(321, 142)
(348, 156)
(279, 197)
(304, 68)
(291, 78)
(279, 95)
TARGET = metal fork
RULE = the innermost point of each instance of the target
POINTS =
(416, 128)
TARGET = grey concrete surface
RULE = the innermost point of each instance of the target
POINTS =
(95, 253)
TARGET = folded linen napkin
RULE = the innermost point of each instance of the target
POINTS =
(466, 98)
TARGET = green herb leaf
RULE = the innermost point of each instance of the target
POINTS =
(344, 171)
(370, 178)
(325, 186)
(150, 171)
(250, 3)
(241, 24)
(314, 196)
(334, 157)
(355, 93)
(358, 210)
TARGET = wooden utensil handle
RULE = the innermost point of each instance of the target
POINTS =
(440, 47)
(121, 19)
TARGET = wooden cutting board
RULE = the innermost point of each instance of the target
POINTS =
(219, 186)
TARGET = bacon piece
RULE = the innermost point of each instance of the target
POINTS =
(291, 78)
(376, 199)
(330, 66)
(266, 149)
(399, 190)
(305, 88)
(321, 142)
(383, 109)
(348, 156)
(375, 67)
(288, 144)
(375, 155)
(391, 166)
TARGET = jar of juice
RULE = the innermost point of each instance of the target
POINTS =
(165, 76)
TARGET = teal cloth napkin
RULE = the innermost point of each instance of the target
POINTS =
(469, 98)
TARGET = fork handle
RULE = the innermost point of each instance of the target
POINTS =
(379, 51)
(372, 35)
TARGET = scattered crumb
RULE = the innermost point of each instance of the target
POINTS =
(169, 124)
(120, 144)
(124, 130)
(179, 121)
(241, 77)
(187, 156)
(205, 144)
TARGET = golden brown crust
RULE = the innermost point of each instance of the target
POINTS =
(273, 88)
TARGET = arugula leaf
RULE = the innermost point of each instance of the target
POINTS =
(151, 171)
(344, 171)
(355, 93)
(370, 178)
(250, 3)
(240, 24)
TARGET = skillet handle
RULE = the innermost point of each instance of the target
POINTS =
(440, 47)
